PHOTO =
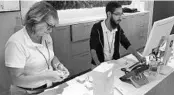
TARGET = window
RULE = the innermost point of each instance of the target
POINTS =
(63, 5)
(97, 12)
(139, 4)
(70, 11)
(9, 5)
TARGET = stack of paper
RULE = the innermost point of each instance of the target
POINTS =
(75, 88)
(103, 67)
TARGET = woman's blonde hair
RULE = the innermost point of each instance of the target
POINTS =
(39, 12)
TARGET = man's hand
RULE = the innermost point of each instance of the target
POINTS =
(137, 55)
(142, 59)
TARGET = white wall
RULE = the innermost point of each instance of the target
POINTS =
(8, 21)
(25, 5)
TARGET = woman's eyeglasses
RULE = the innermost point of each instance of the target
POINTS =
(49, 26)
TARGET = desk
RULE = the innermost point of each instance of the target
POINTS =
(109, 78)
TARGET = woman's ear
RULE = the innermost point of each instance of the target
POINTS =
(33, 28)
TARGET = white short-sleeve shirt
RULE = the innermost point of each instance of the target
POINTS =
(22, 52)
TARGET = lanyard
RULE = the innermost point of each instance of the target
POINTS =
(110, 46)
(47, 61)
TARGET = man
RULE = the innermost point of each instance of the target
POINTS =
(107, 35)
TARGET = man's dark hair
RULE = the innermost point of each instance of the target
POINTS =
(111, 6)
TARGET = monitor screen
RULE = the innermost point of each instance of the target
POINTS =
(161, 29)
(169, 50)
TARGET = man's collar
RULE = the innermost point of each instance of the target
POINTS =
(105, 29)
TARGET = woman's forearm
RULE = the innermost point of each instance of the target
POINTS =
(55, 63)
(23, 80)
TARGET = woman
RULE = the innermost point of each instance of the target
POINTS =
(29, 53)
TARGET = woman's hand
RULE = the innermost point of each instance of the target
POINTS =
(62, 68)
(54, 76)
(55, 65)
(58, 66)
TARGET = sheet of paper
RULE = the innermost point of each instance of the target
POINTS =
(76, 89)
(165, 70)
(103, 67)
(121, 87)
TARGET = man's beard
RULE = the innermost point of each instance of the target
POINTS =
(113, 23)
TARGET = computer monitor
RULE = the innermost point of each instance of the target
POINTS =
(161, 29)
(169, 49)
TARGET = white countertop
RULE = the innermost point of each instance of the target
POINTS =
(129, 89)
(102, 78)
